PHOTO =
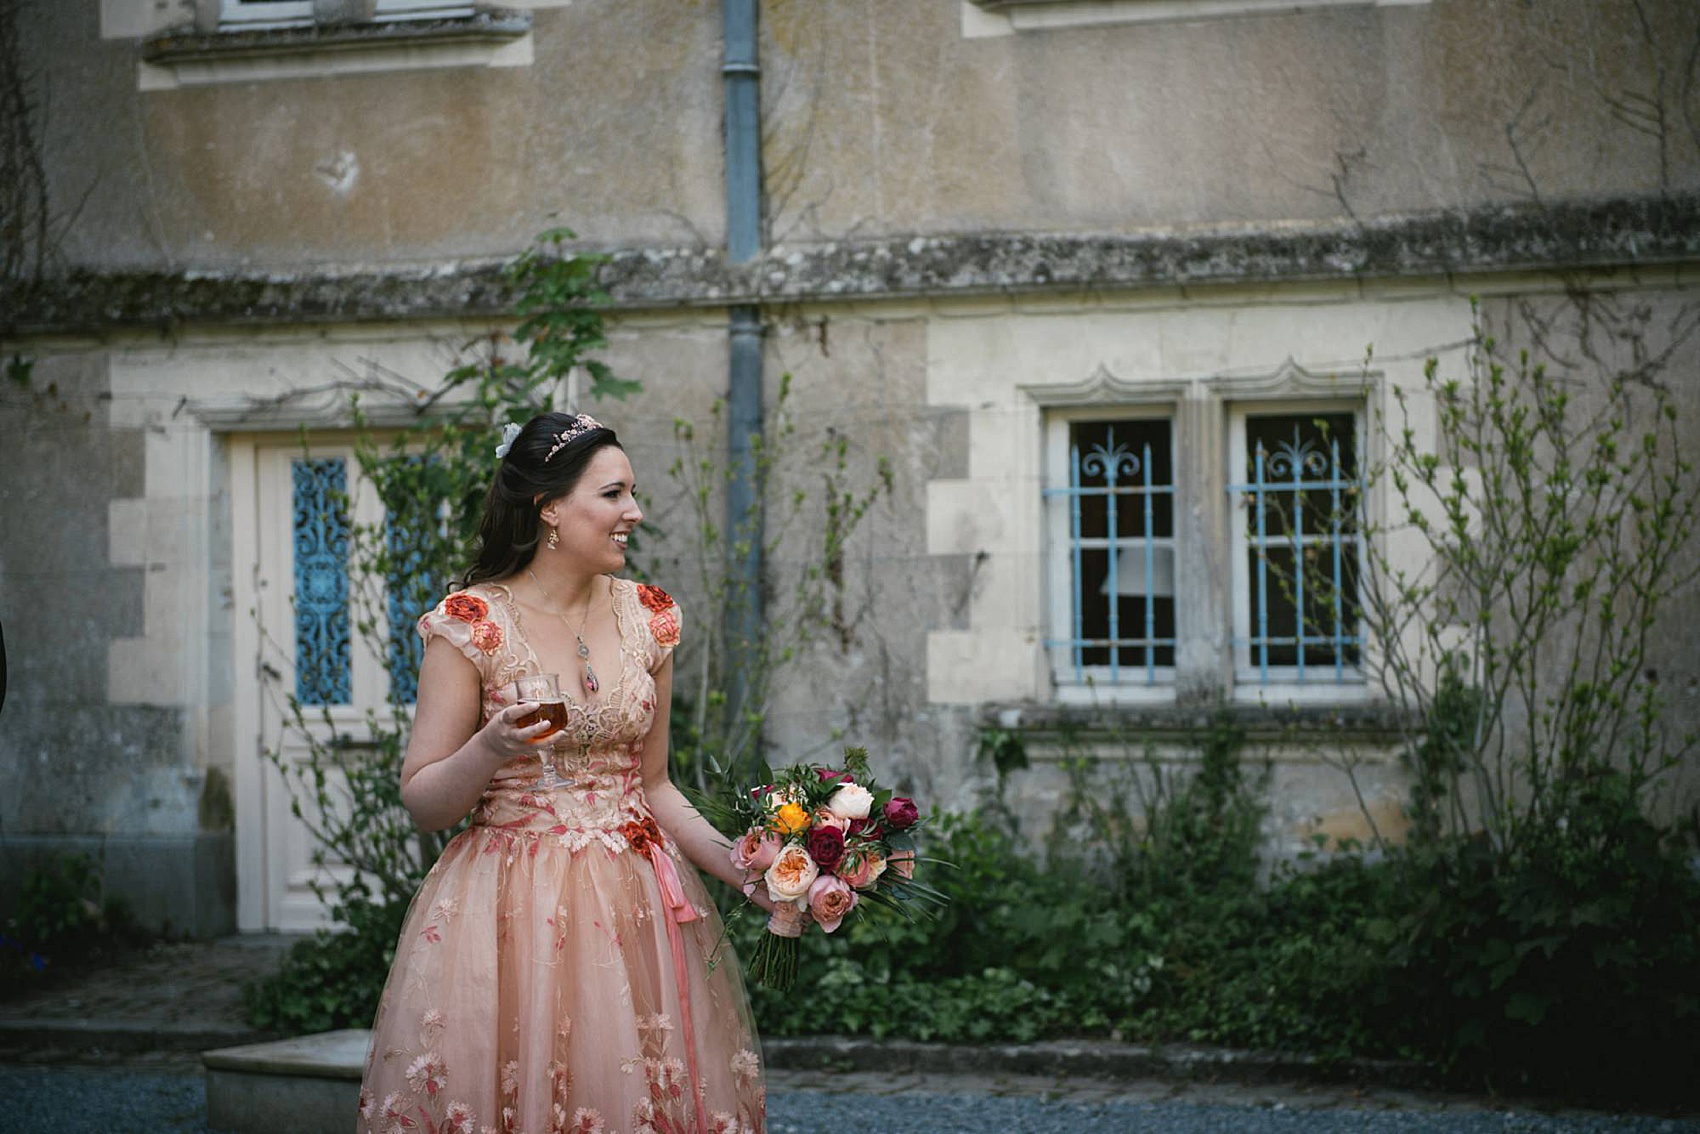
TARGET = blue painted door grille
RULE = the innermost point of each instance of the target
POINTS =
(1301, 496)
(1120, 503)
(323, 660)
(323, 617)
(410, 535)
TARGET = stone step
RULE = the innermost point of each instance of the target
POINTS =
(314, 1081)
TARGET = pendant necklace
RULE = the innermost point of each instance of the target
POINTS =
(591, 685)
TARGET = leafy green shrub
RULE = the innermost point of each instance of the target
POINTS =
(332, 979)
(1574, 964)
(63, 918)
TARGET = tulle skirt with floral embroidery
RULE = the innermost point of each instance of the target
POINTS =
(553, 981)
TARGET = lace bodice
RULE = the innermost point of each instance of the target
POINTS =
(602, 743)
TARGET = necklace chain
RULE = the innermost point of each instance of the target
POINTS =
(591, 685)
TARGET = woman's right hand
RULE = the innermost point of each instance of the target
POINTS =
(504, 741)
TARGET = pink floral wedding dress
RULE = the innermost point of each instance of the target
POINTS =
(562, 968)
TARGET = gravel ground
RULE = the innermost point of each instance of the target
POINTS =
(171, 1099)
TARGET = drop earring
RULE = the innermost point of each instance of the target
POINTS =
(554, 538)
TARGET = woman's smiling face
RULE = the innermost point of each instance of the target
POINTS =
(595, 518)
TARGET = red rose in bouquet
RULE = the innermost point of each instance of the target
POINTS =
(901, 813)
(826, 846)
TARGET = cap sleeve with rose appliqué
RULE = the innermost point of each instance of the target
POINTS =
(468, 622)
(662, 619)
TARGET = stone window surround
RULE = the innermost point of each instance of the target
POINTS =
(995, 515)
(990, 18)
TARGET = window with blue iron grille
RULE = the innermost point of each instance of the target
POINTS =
(1299, 491)
(1117, 509)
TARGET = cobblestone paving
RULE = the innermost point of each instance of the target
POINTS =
(53, 1078)
(167, 1096)
(170, 983)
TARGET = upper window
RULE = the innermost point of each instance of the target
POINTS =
(981, 18)
(421, 9)
(260, 14)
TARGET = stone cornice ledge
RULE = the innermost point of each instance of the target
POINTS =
(1585, 235)
(1375, 721)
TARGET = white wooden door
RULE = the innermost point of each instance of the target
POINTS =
(303, 610)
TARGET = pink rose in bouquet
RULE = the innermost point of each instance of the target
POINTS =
(824, 818)
(756, 849)
(830, 900)
(862, 868)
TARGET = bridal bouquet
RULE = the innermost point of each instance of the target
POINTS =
(823, 840)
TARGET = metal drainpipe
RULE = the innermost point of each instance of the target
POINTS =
(743, 613)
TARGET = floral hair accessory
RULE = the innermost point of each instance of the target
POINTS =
(509, 432)
(581, 424)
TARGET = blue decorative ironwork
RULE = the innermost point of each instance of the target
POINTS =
(323, 662)
(1121, 473)
(409, 589)
(1281, 479)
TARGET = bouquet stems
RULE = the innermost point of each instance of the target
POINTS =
(774, 963)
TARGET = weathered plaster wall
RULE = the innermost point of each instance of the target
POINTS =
(69, 760)
(614, 129)
(1646, 334)
(881, 118)
(886, 120)
(858, 376)
(87, 765)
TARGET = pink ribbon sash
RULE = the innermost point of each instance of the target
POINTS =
(679, 911)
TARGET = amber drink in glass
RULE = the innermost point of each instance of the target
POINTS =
(545, 690)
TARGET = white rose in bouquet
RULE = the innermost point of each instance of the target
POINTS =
(851, 801)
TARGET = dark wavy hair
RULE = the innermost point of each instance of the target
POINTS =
(525, 481)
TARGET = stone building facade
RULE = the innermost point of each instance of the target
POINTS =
(994, 234)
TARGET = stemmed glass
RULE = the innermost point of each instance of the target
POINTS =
(545, 689)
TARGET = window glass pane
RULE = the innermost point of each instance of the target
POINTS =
(1130, 609)
(1301, 486)
(1112, 455)
(323, 663)
(420, 9)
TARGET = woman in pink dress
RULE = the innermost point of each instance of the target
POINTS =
(562, 967)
